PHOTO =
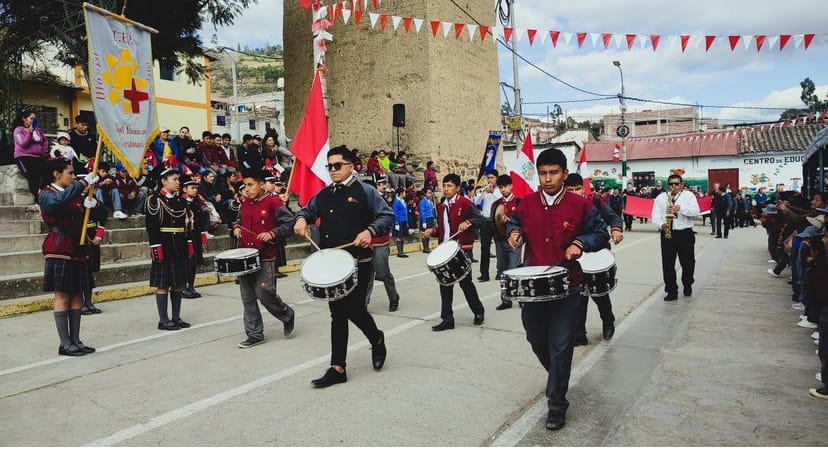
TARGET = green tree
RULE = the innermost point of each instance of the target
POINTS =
(809, 97)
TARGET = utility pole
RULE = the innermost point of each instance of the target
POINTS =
(518, 109)
(622, 130)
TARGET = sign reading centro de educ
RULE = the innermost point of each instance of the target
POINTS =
(772, 160)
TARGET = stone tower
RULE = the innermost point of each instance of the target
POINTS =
(449, 86)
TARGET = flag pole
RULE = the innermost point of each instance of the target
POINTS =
(91, 190)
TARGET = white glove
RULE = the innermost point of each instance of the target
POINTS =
(397, 227)
(89, 203)
(91, 178)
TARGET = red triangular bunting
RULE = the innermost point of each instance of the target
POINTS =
(607, 37)
(407, 24)
(708, 41)
(630, 41)
(684, 40)
(760, 40)
(554, 35)
(351, 5)
(581, 37)
(531, 34)
(375, 3)
(484, 29)
(357, 16)
(383, 21)
(734, 39)
(458, 28)
(783, 39)
(808, 38)
(337, 12)
(435, 26)
(331, 11)
(507, 33)
(654, 41)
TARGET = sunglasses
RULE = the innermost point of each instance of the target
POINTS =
(673, 183)
(336, 166)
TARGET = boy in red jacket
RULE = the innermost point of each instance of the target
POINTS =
(459, 214)
(262, 219)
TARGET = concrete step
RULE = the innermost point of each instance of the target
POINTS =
(36, 226)
(33, 242)
(30, 212)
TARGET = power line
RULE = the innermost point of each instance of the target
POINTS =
(571, 101)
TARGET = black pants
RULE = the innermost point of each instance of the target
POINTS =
(486, 232)
(469, 290)
(33, 168)
(628, 221)
(352, 308)
(604, 308)
(680, 245)
(722, 217)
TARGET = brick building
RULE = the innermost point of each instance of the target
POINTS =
(650, 123)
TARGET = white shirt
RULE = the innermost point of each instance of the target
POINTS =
(684, 218)
(488, 199)
(446, 225)
(550, 199)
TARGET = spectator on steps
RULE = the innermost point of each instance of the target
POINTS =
(30, 148)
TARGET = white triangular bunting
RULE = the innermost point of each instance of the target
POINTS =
(365, 5)
(772, 40)
(567, 36)
(374, 18)
(672, 40)
(418, 24)
(618, 39)
(472, 29)
(798, 40)
(320, 13)
(643, 40)
(594, 37)
(697, 41)
(346, 14)
(497, 33)
(543, 36)
(518, 32)
(395, 22)
(746, 40)
(447, 26)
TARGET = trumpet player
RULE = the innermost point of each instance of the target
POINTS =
(673, 213)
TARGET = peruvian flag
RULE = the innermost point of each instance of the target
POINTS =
(523, 172)
(616, 153)
(310, 147)
(583, 170)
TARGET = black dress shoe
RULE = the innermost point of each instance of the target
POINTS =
(195, 293)
(281, 275)
(288, 328)
(394, 305)
(85, 310)
(688, 291)
(555, 422)
(482, 279)
(330, 378)
(86, 349)
(609, 331)
(478, 319)
(378, 353)
(187, 294)
(71, 351)
(169, 325)
(671, 296)
(580, 341)
(402, 256)
(444, 325)
(503, 306)
(498, 275)
(181, 323)
(475, 261)
(96, 310)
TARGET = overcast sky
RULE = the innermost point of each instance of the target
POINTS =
(717, 77)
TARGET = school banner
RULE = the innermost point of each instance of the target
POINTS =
(121, 84)
(489, 156)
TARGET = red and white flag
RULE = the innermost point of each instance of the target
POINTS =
(583, 170)
(616, 153)
(523, 172)
(310, 148)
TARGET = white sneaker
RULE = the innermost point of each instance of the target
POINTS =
(119, 215)
(815, 335)
(772, 261)
(818, 377)
(798, 306)
(806, 324)
(773, 274)
(801, 317)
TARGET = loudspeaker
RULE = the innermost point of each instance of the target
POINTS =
(399, 115)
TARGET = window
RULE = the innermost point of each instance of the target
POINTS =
(221, 120)
(47, 118)
(167, 73)
(252, 125)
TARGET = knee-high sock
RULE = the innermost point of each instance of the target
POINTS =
(74, 325)
(175, 298)
(399, 248)
(161, 303)
(425, 244)
(191, 277)
(62, 324)
(87, 297)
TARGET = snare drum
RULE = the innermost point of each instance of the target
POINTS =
(599, 272)
(534, 284)
(448, 263)
(329, 274)
(237, 262)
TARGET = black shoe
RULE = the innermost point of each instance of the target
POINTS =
(671, 297)
(86, 310)
(478, 319)
(181, 323)
(718, 236)
(498, 275)
(580, 341)
(475, 261)
(187, 293)
(288, 328)
(503, 306)
(444, 325)
(86, 349)
(195, 293)
(394, 305)
(96, 310)
(427, 251)
(483, 278)
(71, 351)
(555, 422)
(402, 256)
(169, 325)
(281, 275)
(378, 353)
(250, 342)
(688, 291)
(330, 378)
(725, 236)
(609, 331)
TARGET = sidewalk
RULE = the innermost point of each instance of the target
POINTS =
(727, 367)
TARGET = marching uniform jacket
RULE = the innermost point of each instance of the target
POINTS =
(168, 223)
(62, 211)
(345, 212)
(549, 230)
(265, 214)
(460, 209)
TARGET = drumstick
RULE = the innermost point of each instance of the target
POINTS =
(307, 236)
(343, 246)
(453, 235)
(251, 232)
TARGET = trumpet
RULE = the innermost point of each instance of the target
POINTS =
(668, 218)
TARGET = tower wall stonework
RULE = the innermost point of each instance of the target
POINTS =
(449, 86)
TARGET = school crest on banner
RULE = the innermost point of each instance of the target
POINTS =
(121, 85)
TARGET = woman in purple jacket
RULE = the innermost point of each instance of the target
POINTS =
(30, 149)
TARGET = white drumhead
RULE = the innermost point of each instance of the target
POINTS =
(237, 253)
(442, 253)
(327, 267)
(597, 261)
(534, 271)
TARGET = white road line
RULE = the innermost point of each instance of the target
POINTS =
(192, 408)
(163, 334)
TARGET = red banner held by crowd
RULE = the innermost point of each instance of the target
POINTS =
(639, 207)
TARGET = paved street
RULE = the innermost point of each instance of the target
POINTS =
(725, 367)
